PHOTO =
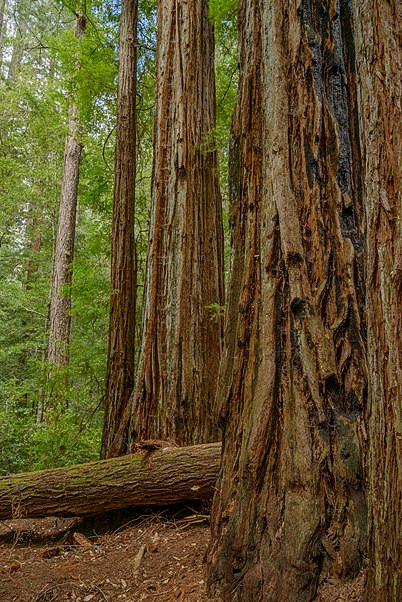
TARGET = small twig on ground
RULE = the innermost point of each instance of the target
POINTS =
(195, 519)
(138, 558)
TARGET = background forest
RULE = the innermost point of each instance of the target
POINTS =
(43, 66)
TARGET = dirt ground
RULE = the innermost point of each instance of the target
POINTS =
(152, 558)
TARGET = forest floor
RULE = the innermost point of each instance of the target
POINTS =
(152, 558)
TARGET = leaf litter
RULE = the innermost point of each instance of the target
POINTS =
(150, 559)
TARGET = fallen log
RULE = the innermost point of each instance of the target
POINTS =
(166, 476)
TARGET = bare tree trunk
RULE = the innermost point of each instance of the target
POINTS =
(175, 388)
(35, 247)
(60, 304)
(289, 504)
(3, 6)
(17, 53)
(165, 476)
(120, 364)
(379, 57)
(33, 243)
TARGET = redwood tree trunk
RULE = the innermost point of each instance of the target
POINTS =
(174, 396)
(379, 58)
(289, 504)
(60, 304)
(120, 363)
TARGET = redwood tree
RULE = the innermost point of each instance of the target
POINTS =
(379, 57)
(120, 362)
(289, 504)
(181, 342)
(60, 304)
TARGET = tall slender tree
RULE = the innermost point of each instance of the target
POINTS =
(3, 6)
(289, 504)
(181, 342)
(60, 304)
(379, 57)
(120, 363)
(17, 53)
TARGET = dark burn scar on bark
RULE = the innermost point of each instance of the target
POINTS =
(301, 309)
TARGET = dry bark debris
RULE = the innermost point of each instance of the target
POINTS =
(81, 540)
(12, 567)
(170, 569)
(50, 552)
(151, 560)
(138, 558)
(68, 590)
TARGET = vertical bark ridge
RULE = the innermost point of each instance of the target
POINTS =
(120, 363)
(181, 343)
(379, 55)
(292, 386)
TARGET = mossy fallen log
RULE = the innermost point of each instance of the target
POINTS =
(166, 476)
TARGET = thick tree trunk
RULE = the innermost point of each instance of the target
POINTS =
(181, 346)
(120, 363)
(289, 502)
(379, 58)
(60, 304)
(168, 476)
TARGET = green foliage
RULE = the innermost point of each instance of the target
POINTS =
(26, 446)
(223, 14)
(216, 311)
(33, 124)
(54, 68)
(88, 67)
(222, 11)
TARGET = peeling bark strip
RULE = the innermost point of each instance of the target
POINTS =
(120, 362)
(168, 476)
(60, 304)
(180, 354)
(290, 503)
(379, 57)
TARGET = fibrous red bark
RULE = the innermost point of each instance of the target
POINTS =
(289, 504)
(379, 56)
(120, 362)
(181, 344)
